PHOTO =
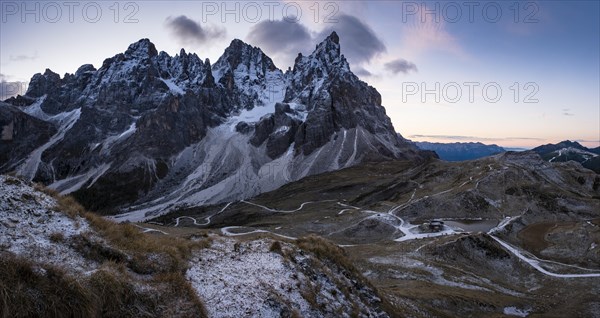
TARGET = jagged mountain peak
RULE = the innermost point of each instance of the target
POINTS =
(570, 143)
(40, 83)
(238, 52)
(248, 74)
(567, 150)
(326, 58)
(560, 145)
(312, 75)
(238, 46)
(334, 37)
(84, 69)
(237, 43)
(331, 45)
(49, 73)
(142, 48)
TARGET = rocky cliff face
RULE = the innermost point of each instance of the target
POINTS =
(151, 132)
(20, 134)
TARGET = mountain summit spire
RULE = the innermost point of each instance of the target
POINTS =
(142, 48)
(333, 37)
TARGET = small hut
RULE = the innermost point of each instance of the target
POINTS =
(436, 226)
(432, 227)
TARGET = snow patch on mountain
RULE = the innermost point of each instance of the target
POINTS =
(109, 142)
(74, 183)
(249, 171)
(65, 121)
(35, 109)
(173, 87)
(586, 154)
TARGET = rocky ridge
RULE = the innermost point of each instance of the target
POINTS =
(146, 132)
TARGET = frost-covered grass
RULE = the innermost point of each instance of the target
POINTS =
(269, 278)
(239, 280)
(29, 223)
(58, 260)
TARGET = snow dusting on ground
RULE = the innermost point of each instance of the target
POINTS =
(247, 279)
(514, 311)
(30, 227)
(243, 280)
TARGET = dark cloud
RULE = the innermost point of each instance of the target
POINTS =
(359, 42)
(281, 37)
(361, 72)
(9, 89)
(400, 66)
(285, 39)
(188, 31)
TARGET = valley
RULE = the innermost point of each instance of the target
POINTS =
(496, 253)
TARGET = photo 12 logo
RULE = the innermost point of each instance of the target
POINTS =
(470, 11)
(10, 89)
(69, 11)
(254, 12)
(471, 92)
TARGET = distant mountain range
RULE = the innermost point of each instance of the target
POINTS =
(571, 151)
(561, 152)
(460, 151)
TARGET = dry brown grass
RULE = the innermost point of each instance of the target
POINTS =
(69, 206)
(57, 237)
(176, 286)
(29, 290)
(326, 250)
(276, 248)
(148, 253)
(51, 192)
(12, 181)
(117, 295)
(142, 275)
(310, 293)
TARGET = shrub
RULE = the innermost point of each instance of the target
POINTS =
(276, 248)
(12, 181)
(57, 237)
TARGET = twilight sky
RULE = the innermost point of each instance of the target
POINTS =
(517, 74)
